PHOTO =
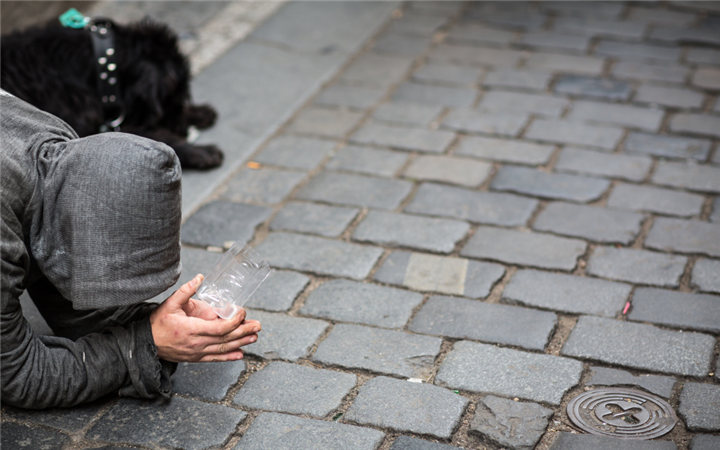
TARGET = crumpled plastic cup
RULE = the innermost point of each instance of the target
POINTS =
(234, 279)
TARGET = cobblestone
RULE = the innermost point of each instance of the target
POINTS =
(638, 51)
(593, 87)
(505, 150)
(667, 146)
(494, 413)
(472, 121)
(590, 222)
(398, 44)
(68, 420)
(511, 373)
(405, 230)
(448, 74)
(549, 185)
(480, 207)
(449, 169)
(470, 55)
(410, 139)
(567, 293)
(657, 384)
(207, 381)
(702, 124)
(699, 403)
(688, 176)
(291, 388)
(616, 114)
(409, 443)
(369, 304)
(677, 309)
(612, 165)
(475, 33)
(355, 190)
(219, 222)
(567, 132)
(658, 200)
(407, 113)
(372, 69)
(556, 40)
(568, 441)
(674, 97)
(274, 430)
(385, 351)
(637, 266)
(655, 349)
(684, 236)
(31, 437)
(322, 121)
(521, 79)
(471, 319)
(633, 70)
(442, 274)
(279, 291)
(705, 275)
(313, 218)
(434, 95)
(524, 248)
(600, 27)
(555, 62)
(705, 442)
(369, 161)
(702, 55)
(350, 96)
(540, 104)
(262, 185)
(415, 407)
(283, 336)
(295, 152)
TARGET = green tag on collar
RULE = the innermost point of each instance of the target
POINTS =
(73, 19)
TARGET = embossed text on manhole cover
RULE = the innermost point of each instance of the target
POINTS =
(622, 412)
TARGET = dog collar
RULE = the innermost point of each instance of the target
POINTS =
(108, 85)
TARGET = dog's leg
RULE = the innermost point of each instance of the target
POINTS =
(191, 156)
(201, 116)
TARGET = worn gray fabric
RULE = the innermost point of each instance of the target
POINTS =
(86, 224)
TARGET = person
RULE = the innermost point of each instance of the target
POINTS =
(90, 228)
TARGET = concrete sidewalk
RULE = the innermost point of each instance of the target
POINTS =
(476, 213)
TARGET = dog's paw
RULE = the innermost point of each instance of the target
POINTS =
(202, 116)
(201, 157)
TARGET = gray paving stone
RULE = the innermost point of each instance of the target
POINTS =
(524, 248)
(593, 87)
(539, 104)
(640, 346)
(493, 414)
(474, 56)
(319, 255)
(295, 389)
(476, 33)
(296, 152)
(567, 293)
(569, 132)
(637, 51)
(505, 150)
(207, 381)
(434, 95)
(657, 384)
(370, 304)
(556, 40)
(689, 176)
(702, 124)
(407, 113)
(700, 35)
(640, 13)
(283, 336)
(470, 319)
(648, 198)
(366, 160)
(634, 70)
(279, 291)
(705, 442)
(449, 169)
(516, 19)
(705, 275)
(405, 230)
(637, 266)
(511, 373)
(399, 44)
(715, 215)
(684, 236)
(16, 435)
(534, 182)
(591, 26)
(674, 97)
(417, 23)
(69, 420)
(166, 424)
(564, 63)
(313, 218)
(616, 114)
(472, 121)
(699, 404)
(702, 55)
(677, 309)
(480, 207)
(410, 443)
(262, 185)
(321, 121)
(579, 10)
(448, 74)
(350, 96)
(411, 139)
(219, 222)
(282, 431)
(613, 165)
(378, 350)
(372, 69)
(415, 407)
(516, 78)
(597, 224)
(667, 146)
(355, 190)
(569, 441)
(442, 274)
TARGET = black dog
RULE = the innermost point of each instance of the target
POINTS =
(139, 83)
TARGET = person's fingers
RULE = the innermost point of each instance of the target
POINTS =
(199, 309)
(181, 297)
(220, 327)
(232, 356)
(245, 329)
(230, 346)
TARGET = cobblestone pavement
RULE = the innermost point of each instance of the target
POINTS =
(460, 200)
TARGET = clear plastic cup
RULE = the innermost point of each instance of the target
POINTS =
(234, 279)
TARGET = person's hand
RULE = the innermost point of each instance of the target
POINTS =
(185, 329)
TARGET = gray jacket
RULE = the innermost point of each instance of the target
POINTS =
(90, 227)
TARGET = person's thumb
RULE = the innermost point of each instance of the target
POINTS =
(183, 295)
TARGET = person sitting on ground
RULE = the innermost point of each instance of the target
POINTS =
(91, 228)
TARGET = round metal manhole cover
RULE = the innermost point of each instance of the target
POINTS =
(621, 412)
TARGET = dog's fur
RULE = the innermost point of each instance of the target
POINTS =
(53, 68)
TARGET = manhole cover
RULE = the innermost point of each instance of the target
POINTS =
(622, 413)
